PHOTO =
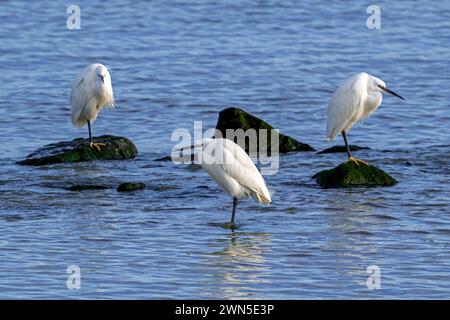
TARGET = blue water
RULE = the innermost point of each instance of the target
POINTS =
(176, 62)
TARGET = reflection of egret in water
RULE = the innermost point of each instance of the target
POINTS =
(240, 264)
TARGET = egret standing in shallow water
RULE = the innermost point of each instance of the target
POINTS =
(91, 91)
(233, 170)
(355, 99)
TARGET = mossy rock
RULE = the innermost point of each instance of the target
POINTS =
(130, 186)
(349, 174)
(235, 118)
(336, 149)
(116, 148)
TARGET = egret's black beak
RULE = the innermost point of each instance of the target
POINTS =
(391, 92)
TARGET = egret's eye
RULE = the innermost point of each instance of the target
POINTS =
(102, 77)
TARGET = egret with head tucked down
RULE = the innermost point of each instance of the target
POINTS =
(91, 92)
(355, 99)
(233, 170)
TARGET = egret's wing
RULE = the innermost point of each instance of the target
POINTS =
(241, 168)
(79, 82)
(342, 107)
(78, 99)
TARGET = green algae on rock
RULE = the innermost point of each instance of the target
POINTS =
(235, 118)
(116, 148)
(336, 149)
(349, 174)
(130, 186)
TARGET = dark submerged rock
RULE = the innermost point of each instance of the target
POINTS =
(117, 148)
(165, 158)
(349, 174)
(81, 187)
(336, 149)
(164, 188)
(235, 118)
(130, 186)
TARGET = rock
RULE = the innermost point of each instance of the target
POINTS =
(349, 174)
(234, 118)
(117, 148)
(130, 186)
(194, 167)
(81, 187)
(165, 158)
(336, 149)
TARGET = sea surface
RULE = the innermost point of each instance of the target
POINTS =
(176, 62)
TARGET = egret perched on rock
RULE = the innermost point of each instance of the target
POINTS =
(234, 171)
(91, 92)
(355, 99)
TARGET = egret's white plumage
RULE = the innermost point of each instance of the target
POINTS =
(233, 170)
(91, 92)
(355, 99)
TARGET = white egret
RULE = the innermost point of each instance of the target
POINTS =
(233, 170)
(91, 91)
(355, 99)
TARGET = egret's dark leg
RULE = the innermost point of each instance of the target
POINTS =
(347, 146)
(91, 140)
(90, 135)
(233, 214)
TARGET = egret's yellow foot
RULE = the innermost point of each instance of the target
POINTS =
(97, 146)
(357, 161)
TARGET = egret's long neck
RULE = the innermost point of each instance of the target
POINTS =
(373, 102)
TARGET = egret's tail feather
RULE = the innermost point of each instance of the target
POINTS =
(331, 134)
(260, 198)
